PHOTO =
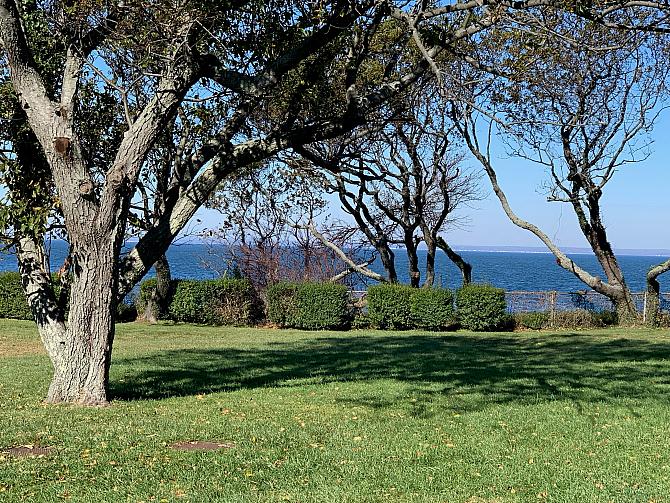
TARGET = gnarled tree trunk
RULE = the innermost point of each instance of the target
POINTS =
(652, 305)
(157, 304)
(80, 349)
(458, 260)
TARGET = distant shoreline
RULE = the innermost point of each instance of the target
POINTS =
(571, 250)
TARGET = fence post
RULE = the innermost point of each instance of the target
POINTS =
(644, 309)
(552, 307)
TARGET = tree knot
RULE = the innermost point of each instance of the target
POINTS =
(62, 146)
(116, 178)
(86, 188)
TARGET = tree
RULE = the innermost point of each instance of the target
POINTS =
(402, 183)
(582, 111)
(252, 55)
(257, 78)
(264, 233)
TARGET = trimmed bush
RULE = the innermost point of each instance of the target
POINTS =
(309, 306)
(535, 320)
(323, 306)
(281, 303)
(208, 302)
(13, 302)
(214, 302)
(481, 307)
(125, 313)
(432, 308)
(390, 306)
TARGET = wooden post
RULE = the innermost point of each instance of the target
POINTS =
(552, 307)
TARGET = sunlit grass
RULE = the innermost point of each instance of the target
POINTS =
(354, 417)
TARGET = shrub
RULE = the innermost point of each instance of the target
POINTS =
(125, 313)
(390, 306)
(360, 321)
(535, 320)
(322, 306)
(584, 318)
(432, 308)
(309, 306)
(481, 307)
(606, 318)
(210, 302)
(576, 318)
(13, 302)
(281, 303)
(214, 302)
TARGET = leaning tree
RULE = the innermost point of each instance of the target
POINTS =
(583, 111)
(274, 74)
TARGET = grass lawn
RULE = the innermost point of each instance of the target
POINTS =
(348, 417)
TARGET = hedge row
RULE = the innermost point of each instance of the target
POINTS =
(309, 306)
(13, 302)
(319, 306)
(208, 302)
(394, 306)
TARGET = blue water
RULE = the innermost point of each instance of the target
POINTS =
(508, 270)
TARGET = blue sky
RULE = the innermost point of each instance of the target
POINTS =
(636, 205)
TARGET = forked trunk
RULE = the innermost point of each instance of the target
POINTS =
(80, 349)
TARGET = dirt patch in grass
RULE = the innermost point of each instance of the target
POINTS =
(11, 348)
(198, 445)
(27, 451)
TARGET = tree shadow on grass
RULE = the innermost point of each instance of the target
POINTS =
(500, 368)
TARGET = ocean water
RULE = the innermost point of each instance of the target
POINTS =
(511, 270)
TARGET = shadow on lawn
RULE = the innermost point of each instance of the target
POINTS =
(501, 368)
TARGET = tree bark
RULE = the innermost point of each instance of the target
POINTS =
(458, 260)
(158, 302)
(83, 373)
(652, 306)
(387, 257)
(431, 246)
(590, 223)
(80, 350)
(412, 261)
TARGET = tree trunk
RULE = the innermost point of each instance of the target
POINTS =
(591, 225)
(430, 262)
(412, 261)
(82, 375)
(652, 305)
(80, 350)
(458, 260)
(387, 257)
(158, 302)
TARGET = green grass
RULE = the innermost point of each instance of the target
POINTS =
(348, 417)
